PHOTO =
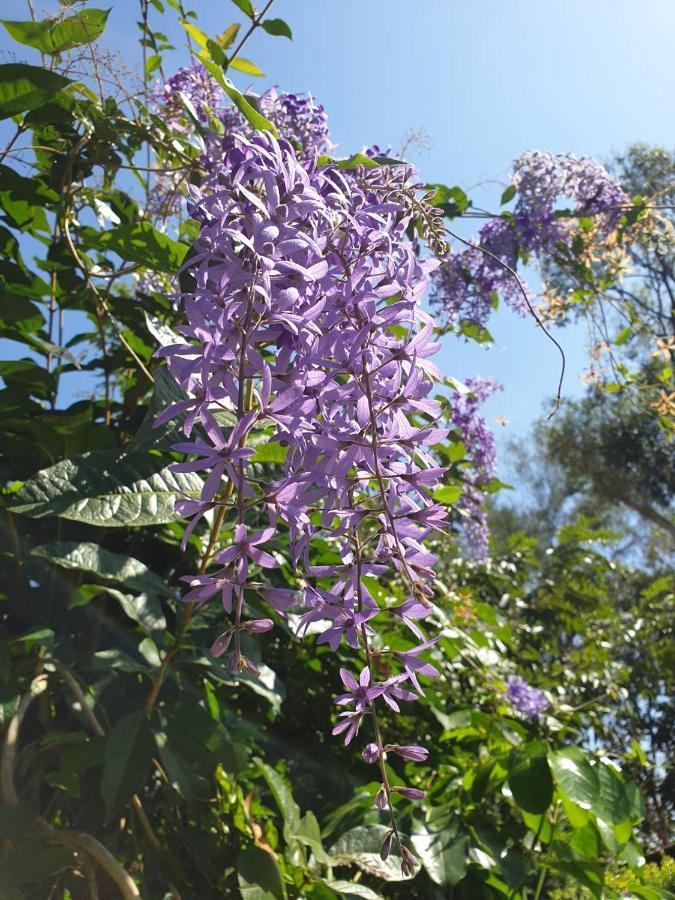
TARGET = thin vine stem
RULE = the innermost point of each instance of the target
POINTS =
(532, 310)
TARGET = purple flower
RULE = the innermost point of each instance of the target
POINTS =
(529, 701)
(245, 548)
(349, 724)
(346, 624)
(415, 666)
(360, 692)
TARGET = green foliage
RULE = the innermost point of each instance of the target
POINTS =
(58, 35)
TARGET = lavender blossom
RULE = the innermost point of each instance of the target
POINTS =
(305, 321)
(479, 441)
(529, 701)
(469, 280)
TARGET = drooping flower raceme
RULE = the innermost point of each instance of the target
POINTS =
(468, 281)
(480, 443)
(305, 327)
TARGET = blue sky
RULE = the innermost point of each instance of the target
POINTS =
(485, 81)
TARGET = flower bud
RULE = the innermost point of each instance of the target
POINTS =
(409, 751)
(221, 643)
(410, 793)
(408, 861)
(385, 849)
(371, 753)
(381, 798)
(247, 666)
(257, 626)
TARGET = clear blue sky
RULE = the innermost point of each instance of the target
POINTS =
(486, 80)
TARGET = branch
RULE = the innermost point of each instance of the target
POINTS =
(85, 843)
(8, 760)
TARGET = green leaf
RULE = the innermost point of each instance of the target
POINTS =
(508, 194)
(575, 776)
(356, 159)
(623, 335)
(241, 64)
(127, 760)
(530, 781)
(586, 842)
(148, 437)
(309, 834)
(246, 7)
(89, 557)
(444, 854)
(453, 200)
(277, 27)
(270, 452)
(456, 451)
(106, 489)
(447, 494)
(361, 846)
(259, 876)
(283, 795)
(54, 36)
(177, 773)
(24, 87)
(250, 113)
(227, 38)
(353, 889)
(139, 242)
(144, 609)
(587, 873)
(611, 803)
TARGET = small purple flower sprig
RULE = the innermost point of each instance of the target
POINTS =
(305, 325)
(466, 283)
(529, 701)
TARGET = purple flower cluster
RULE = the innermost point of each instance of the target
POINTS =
(199, 87)
(298, 117)
(542, 180)
(480, 443)
(305, 329)
(469, 280)
(529, 701)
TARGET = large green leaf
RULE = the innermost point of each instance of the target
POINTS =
(530, 781)
(89, 557)
(147, 437)
(54, 36)
(106, 489)
(309, 834)
(127, 760)
(351, 889)
(259, 876)
(24, 87)
(283, 795)
(612, 802)
(138, 242)
(144, 609)
(575, 776)
(277, 27)
(444, 854)
(360, 846)
(249, 112)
